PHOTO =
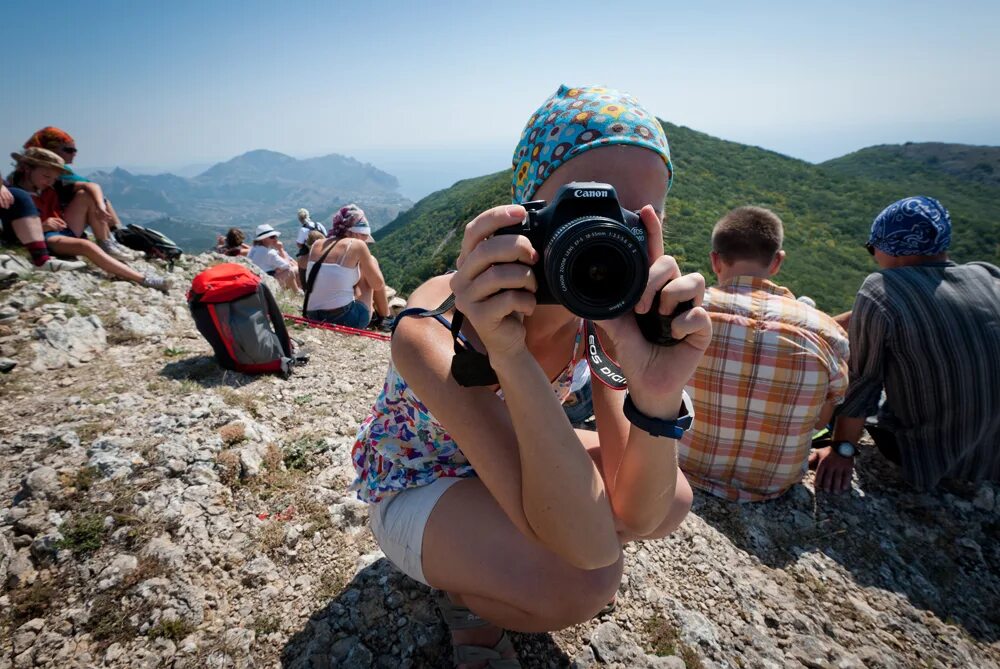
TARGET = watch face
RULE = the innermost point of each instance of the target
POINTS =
(845, 449)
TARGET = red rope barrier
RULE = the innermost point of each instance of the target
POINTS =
(342, 329)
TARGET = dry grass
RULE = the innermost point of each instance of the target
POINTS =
(111, 611)
(233, 433)
(229, 468)
(239, 400)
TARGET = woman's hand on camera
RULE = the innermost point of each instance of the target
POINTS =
(657, 371)
(494, 285)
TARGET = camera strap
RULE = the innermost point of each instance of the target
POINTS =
(469, 367)
(602, 365)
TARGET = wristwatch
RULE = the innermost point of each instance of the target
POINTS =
(845, 449)
(660, 427)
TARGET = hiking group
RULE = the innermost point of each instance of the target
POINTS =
(477, 482)
(340, 279)
(48, 208)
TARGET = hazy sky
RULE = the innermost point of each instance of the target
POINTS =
(166, 84)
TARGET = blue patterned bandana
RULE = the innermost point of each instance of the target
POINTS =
(913, 226)
(575, 120)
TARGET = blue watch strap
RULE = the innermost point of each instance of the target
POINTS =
(661, 427)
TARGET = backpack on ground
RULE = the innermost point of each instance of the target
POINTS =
(239, 317)
(153, 243)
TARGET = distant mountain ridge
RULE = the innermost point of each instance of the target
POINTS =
(827, 209)
(256, 187)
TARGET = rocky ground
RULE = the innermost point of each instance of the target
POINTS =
(160, 512)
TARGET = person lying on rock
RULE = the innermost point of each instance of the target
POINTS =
(774, 372)
(269, 254)
(20, 222)
(487, 492)
(81, 200)
(926, 331)
(349, 285)
(35, 172)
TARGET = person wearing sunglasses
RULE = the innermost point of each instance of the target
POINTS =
(81, 199)
(925, 335)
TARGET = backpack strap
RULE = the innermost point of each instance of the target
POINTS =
(277, 321)
(311, 279)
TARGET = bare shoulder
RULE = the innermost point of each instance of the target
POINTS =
(420, 338)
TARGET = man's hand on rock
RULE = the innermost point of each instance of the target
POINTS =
(833, 471)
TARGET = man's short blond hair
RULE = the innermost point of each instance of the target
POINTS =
(748, 233)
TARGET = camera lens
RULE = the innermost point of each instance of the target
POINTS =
(595, 267)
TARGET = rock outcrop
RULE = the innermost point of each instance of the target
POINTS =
(159, 511)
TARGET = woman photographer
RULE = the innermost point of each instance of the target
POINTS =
(488, 493)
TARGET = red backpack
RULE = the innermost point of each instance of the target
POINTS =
(239, 317)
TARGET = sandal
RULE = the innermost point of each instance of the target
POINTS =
(461, 618)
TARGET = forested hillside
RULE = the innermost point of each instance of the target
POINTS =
(827, 210)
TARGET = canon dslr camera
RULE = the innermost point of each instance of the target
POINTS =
(593, 256)
(592, 253)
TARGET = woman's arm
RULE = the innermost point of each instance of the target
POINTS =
(524, 450)
(372, 274)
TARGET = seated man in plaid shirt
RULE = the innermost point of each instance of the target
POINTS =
(774, 372)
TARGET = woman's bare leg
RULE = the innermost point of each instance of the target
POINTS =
(288, 279)
(28, 230)
(82, 212)
(72, 246)
(472, 550)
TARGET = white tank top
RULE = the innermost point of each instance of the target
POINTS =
(334, 287)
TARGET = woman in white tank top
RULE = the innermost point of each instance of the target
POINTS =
(348, 282)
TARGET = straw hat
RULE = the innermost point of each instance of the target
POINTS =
(39, 157)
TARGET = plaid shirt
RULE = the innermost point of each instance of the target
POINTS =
(772, 364)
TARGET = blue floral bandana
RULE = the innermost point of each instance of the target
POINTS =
(574, 120)
(913, 226)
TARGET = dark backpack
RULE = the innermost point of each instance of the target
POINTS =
(153, 243)
(239, 317)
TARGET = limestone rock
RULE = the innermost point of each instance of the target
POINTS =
(68, 344)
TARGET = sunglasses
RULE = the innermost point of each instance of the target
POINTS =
(870, 249)
(69, 149)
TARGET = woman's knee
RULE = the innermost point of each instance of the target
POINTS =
(577, 597)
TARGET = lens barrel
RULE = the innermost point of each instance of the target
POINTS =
(595, 267)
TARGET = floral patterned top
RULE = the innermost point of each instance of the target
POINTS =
(401, 445)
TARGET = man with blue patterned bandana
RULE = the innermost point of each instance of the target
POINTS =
(926, 331)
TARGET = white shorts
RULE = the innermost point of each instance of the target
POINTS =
(398, 524)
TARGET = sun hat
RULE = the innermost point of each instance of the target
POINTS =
(350, 218)
(574, 120)
(39, 157)
(264, 231)
(913, 226)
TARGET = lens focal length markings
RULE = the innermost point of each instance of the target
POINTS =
(596, 267)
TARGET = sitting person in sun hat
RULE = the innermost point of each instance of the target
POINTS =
(20, 223)
(36, 172)
(269, 254)
(81, 200)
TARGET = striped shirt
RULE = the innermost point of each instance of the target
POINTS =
(759, 389)
(930, 337)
